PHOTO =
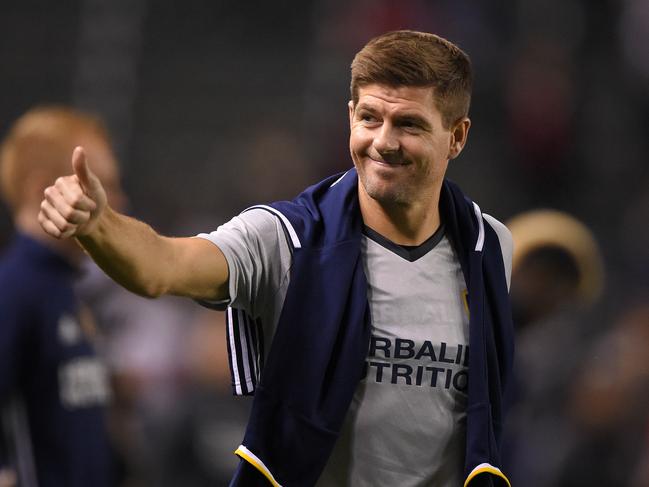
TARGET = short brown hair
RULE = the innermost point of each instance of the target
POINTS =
(42, 139)
(410, 58)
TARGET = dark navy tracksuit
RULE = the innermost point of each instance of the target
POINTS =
(52, 387)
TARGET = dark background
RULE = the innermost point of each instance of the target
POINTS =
(217, 105)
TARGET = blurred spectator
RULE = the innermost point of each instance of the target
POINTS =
(609, 404)
(54, 390)
(173, 418)
(556, 277)
(556, 265)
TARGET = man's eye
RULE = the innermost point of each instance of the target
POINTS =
(366, 117)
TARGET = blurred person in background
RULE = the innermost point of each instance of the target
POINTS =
(159, 435)
(173, 418)
(608, 405)
(557, 278)
(54, 389)
(341, 279)
(556, 266)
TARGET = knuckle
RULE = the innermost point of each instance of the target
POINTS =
(77, 199)
(52, 230)
(67, 213)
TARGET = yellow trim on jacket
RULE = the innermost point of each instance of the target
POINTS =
(486, 468)
(252, 459)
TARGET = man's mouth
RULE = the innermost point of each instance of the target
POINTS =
(388, 163)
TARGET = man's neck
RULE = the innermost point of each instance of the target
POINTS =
(403, 224)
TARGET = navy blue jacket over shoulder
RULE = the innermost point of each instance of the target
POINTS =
(318, 353)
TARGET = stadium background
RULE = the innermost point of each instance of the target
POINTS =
(214, 106)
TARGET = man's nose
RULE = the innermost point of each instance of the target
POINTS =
(386, 141)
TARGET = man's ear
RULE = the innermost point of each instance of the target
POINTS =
(459, 135)
(350, 105)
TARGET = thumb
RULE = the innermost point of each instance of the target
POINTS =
(81, 169)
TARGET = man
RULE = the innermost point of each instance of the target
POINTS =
(53, 388)
(557, 267)
(557, 278)
(368, 291)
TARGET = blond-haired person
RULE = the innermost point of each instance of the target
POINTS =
(53, 388)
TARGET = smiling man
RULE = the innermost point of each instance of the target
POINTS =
(401, 145)
(371, 321)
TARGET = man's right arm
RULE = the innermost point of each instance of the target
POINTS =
(128, 250)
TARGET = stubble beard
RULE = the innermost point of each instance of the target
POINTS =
(386, 194)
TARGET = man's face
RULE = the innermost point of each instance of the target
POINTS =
(398, 143)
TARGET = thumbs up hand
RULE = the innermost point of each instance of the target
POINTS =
(73, 205)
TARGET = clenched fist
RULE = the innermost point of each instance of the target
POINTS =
(73, 205)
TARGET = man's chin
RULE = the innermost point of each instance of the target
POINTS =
(385, 194)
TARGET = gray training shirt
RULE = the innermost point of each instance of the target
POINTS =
(406, 424)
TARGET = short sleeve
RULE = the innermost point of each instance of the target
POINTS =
(259, 258)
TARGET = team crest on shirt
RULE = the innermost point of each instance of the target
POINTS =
(465, 301)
